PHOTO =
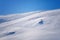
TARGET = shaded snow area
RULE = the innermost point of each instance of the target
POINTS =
(35, 25)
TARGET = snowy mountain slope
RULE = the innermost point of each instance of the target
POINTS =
(15, 16)
(31, 26)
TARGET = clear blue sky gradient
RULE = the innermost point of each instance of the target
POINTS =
(21, 6)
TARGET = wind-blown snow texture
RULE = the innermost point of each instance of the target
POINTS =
(31, 26)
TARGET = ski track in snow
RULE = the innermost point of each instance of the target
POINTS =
(35, 25)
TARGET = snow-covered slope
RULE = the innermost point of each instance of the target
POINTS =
(31, 26)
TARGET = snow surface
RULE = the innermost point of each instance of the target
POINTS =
(35, 25)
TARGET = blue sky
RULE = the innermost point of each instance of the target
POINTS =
(21, 6)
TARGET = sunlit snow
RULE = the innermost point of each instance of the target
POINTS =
(34, 25)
